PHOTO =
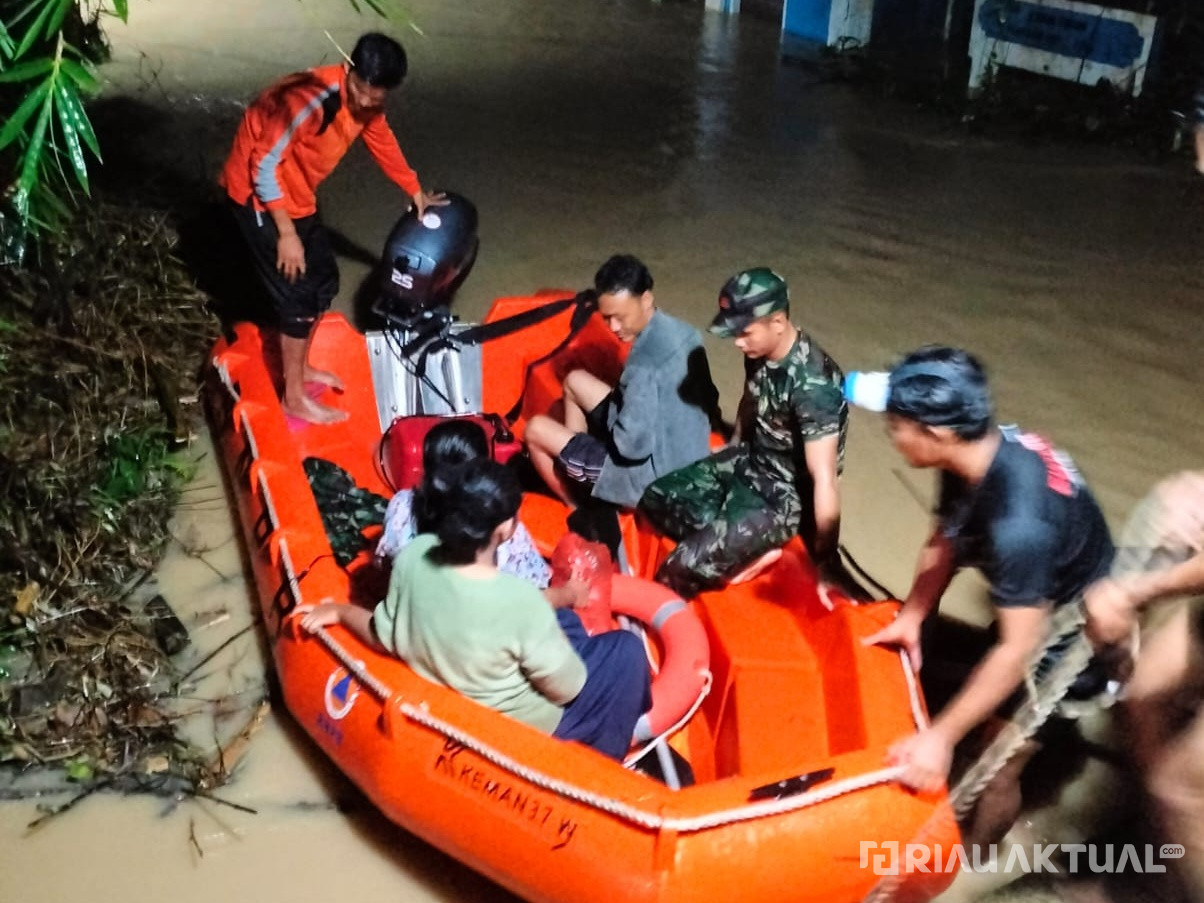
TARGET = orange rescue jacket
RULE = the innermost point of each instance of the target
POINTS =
(294, 134)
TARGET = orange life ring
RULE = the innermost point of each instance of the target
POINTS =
(687, 653)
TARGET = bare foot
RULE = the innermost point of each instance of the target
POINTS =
(325, 377)
(305, 408)
(758, 567)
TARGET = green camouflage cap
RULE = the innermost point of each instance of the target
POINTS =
(748, 296)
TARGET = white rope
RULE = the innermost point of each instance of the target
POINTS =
(354, 666)
(248, 435)
(223, 374)
(290, 573)
(1138, 553)
(703, 692)
(642, 817)
(617, 808)
(913, 693)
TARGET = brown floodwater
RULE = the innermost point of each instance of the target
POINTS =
(581, 129)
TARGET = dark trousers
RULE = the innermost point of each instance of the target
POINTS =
(617, 688)
(721, 524)
(297, 304)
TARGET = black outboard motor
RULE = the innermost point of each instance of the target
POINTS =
(425, 261)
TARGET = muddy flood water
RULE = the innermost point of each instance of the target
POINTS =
(581, 129)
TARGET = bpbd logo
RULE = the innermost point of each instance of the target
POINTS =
(341, 693)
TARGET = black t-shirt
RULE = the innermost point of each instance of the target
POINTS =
(1032, 526)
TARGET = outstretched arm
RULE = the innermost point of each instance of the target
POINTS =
(382, 145)
(358, 621)
(934, 571)
(1174, 519)
(1114, 602)
(927, 755)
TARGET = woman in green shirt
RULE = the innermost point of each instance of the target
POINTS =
(456, 619)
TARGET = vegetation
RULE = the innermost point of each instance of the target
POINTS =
(93, 364)
(102, 337)
(48, 53)
(48, 49)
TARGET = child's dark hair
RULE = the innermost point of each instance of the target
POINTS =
(447, 445)
(379, 60)
(472, 500)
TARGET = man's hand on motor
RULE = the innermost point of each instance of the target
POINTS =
(424, 199)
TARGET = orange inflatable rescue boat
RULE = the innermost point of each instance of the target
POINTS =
(764, 688)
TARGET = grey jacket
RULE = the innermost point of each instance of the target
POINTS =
(661, 411)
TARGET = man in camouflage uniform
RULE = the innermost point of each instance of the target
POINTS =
(779, 474)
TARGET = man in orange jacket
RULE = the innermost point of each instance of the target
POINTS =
(290, 139)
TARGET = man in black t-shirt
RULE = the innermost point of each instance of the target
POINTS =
(1016, 509)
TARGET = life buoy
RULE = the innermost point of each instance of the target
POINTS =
(687, 654)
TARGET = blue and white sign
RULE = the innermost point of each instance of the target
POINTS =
(1079, 42)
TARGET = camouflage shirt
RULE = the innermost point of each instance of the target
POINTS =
(797, 399)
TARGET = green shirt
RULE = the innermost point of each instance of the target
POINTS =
(494, 639)
(798, 399)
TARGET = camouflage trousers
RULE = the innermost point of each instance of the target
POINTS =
(720, 522)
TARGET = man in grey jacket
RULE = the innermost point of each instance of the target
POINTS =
(615, 440)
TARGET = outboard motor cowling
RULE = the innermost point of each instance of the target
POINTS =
(426, 259)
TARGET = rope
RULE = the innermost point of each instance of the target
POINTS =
(354, 666)
(617, 808)
(1140, 551)
(703, 692)
(913, 693)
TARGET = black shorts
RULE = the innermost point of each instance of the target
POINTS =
(596, 420)
(296, 304)
(582, 458)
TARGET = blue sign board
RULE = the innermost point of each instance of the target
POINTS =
(1066, 32)
(807, 19)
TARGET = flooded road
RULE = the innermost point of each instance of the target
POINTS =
(593, 127)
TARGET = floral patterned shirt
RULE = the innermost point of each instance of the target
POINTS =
(516, 556)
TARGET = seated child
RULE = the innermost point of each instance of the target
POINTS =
(456, 619)
(447, 445)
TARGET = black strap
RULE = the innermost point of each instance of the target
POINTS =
(483, 332)
(586, 303)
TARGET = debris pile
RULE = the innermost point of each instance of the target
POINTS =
(101, 342)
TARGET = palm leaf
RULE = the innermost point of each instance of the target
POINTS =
(52, 209)
(30, 7)
(71, 110)
(16, 122)
(55, 24)
(122, 9)
(49, 8)
(28, 70)
(80, 74)
(74, 125)
(7, 47)
(37, 142)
